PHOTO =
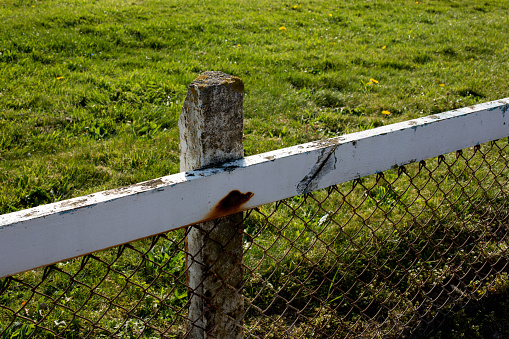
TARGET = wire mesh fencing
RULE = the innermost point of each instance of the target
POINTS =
(388, 255)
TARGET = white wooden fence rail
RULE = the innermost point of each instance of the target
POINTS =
(59, 231)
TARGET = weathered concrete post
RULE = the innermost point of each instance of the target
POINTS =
(211, 126)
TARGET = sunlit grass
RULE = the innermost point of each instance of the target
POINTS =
(81, 75)
(90, 94)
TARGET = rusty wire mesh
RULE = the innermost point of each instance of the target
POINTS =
(389, 255)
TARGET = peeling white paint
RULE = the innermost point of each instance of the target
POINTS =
(51, 233)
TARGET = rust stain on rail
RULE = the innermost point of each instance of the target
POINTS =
(230, 204)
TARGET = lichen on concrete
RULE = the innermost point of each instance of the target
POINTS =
(211, 122)
(210, 78)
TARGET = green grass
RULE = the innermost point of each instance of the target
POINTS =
(91, 91)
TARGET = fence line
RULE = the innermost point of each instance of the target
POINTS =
(402, 243)
(388, 255)
(51, 233)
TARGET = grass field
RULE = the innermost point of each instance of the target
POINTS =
(91, 91)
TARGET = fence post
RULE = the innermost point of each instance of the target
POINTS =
(211, 125)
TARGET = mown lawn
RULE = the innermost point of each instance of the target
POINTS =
(91, 91)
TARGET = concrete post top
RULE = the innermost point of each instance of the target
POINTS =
(211, 121)
(215, 78)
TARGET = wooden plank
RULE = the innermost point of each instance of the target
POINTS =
(51, 233)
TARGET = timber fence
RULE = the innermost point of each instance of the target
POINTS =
(381, 233)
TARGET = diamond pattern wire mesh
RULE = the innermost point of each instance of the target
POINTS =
(388, 255)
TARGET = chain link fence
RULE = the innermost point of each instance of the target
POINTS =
(389, 255)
